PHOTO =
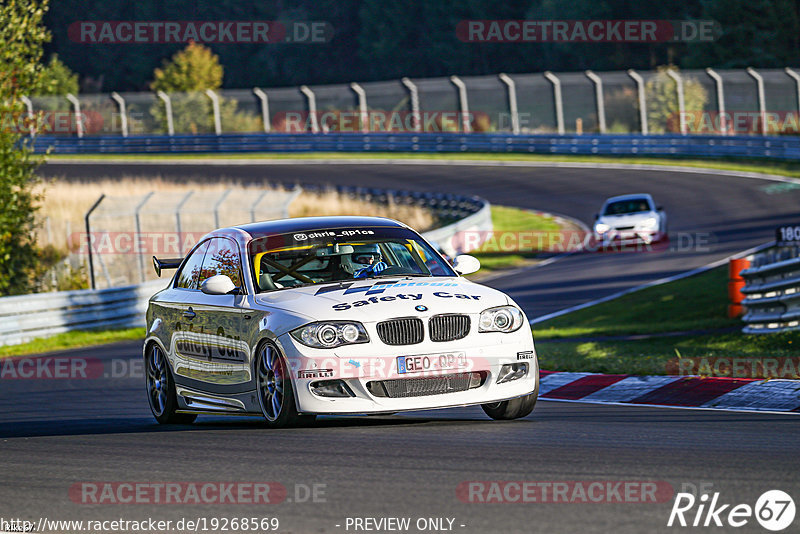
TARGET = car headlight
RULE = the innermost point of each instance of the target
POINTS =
(500, 319)
(601, 228)
(650, 222)
(331, 334)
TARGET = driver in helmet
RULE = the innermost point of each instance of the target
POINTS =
(367, 260)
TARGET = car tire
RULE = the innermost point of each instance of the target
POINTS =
(511, 409)
(275, 390)
(161, 393)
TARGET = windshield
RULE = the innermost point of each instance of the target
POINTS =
(622, 207)
(322, 256)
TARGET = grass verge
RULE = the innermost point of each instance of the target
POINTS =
(72, 340)
(512, 220)
(575, 342)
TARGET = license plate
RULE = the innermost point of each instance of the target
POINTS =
(431, 362)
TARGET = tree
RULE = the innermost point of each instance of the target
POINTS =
(758, 33)
(190, 73)
(57, 79)
(195, 68)
(662, 101)
(21, 38)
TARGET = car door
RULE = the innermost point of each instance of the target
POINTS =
(218, 358)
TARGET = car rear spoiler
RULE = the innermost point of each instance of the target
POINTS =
(171, 263)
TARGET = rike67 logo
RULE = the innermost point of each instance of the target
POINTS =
(774, 510)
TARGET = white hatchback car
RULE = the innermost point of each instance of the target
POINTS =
(630, 218)
(331, 315)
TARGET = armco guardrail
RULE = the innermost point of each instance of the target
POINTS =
(26, 317)
(775, 147)
(772, 292)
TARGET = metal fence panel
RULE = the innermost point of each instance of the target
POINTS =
(537, 112)
(621, 102)
(488, 104)
(240, 111)
(439, 106)
(389, 105)
(578, 93)
(288, 110)
(145, 113)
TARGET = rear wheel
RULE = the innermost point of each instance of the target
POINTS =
(511, 409)
(161, 389)
(275, 390)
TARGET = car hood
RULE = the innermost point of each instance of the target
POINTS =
(379, 299)
(629, 219)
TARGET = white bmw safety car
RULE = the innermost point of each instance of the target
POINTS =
(331, 315)
(630, 218)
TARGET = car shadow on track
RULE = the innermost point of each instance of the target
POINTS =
(105, 426)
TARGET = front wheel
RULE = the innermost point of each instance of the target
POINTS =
(161, 389)
(275, 391)
(511, 409)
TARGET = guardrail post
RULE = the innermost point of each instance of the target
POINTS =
(215, 109)
(598, 95)
(123, 114)
(681, 102)
(363, 116)
(552, 78)
(89, 238)
(796, 78)
(414, 97)
(642, 100)
(136, 211)
(312, 107)
(262, 96)
(178, 228)
(217, 205)
(168, 110)
(723, 120)
(466, 127)
(512, 101)
(762, 107)
(29, 107)
(76, 105)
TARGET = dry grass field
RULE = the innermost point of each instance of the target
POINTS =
(64, 204)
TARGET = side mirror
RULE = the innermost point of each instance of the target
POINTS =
(466, 264)
(659, 208)
(218, 284)
(596, 216)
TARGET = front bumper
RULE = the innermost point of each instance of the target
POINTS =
(616, 237)
(356, 367)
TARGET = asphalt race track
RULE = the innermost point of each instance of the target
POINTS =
(55, 434)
